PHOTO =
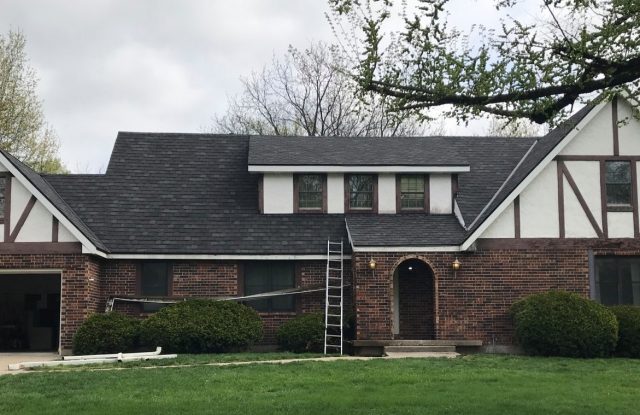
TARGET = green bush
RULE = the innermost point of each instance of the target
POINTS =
(106, 333)
(559, 323)
(628, 330)
(202, 326)
(304, 333)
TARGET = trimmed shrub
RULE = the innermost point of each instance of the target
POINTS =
(628, 330)
(559, 323)
(106, 333)
(202, 326)
(304, 333)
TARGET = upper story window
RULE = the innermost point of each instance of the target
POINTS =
(310, 193)
(412, 192)
(361, 192)
(268, 276)
(618, 183)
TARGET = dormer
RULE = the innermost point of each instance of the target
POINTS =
(356, 175)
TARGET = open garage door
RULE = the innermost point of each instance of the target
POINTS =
(29, 312)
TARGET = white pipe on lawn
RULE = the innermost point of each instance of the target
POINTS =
(113, 355)
(26, 365)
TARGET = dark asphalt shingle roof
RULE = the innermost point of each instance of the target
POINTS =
(192, 193)
(404, 230)
(359, 151)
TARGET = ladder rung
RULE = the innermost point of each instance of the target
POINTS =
(334, 305)
(334, 315)
(333, 325)
(334, 296)
(333, 335)
(335, 269)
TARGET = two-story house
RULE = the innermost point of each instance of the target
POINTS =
(441, 234)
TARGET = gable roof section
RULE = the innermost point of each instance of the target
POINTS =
(57, 202)
(188, 194)
(527, 168)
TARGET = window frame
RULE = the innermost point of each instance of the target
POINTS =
(619, 277)
(618, 207)
(242, 284)
(140, 271)
(296, 194)
(425, 205)
(347, 194)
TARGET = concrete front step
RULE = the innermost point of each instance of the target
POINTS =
(382, 343)
(419, 349)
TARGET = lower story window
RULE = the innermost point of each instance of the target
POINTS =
(262, 277)
(154, 282)
(617, 280)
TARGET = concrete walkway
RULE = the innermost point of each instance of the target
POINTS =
(7, 359)
(33, 357)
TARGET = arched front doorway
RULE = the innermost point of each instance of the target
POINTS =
(413, 301)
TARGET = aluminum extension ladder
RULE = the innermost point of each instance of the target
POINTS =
(334, 298)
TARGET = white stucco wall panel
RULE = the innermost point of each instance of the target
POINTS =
(620, 224)
(440, 196)
(504, 225)
(64, 235)
(335, 193)
(539, 205)
(596, 138)
(386, 193)
(278, 193)
(37, 227)
(628, 131)
(576, 222)
(586, 174)
(19, 198)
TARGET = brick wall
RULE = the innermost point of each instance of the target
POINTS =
(80, 285)
(473, 303)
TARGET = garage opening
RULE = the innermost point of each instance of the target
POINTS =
(29, 312)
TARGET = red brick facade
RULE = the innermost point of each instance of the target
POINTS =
(471, 303)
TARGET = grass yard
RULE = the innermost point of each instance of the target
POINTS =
(469, 385)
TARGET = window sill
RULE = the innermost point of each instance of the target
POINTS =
(619, 208)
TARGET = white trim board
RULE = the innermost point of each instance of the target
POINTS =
(87, 246)
(531, 176)
(255, 168)
(275, 257)
(445, 248)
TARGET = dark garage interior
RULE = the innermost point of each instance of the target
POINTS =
(29, 312)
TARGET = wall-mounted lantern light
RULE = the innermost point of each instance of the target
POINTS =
(456, 264)
(372, 264)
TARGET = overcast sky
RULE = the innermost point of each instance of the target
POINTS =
(132, 65)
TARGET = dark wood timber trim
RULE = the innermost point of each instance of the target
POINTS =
(603, 198)
(54, 230)
(7, 209)
(296, 194)
(425, 205)
(600, 245)
(23, 218)
(560, 168)
(622, 208)
(634, 196)
(40, 248)
(581, 200)
(516, 216)
(261, 194)
(614, 121)
(347, 207)
(597, 158)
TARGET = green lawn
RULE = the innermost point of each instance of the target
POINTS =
(469, 385)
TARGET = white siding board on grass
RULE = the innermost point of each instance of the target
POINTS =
(503, 226)
(539, 205)
(278, 193)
